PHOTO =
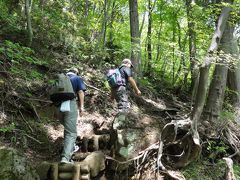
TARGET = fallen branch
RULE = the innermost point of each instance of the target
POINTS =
(25, 121)
(25, 134)
(35, 99)
(39, 142)
(35, 111)
(104, 92)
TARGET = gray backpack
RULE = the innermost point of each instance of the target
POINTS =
(62, 90)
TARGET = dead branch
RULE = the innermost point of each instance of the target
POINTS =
(39, 142)
(104, 92)
(25, 121)
(35, 111)
(35, 99)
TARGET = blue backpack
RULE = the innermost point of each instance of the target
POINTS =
(114, 78)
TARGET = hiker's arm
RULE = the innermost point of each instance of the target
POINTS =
(134, 85)
(81, 100)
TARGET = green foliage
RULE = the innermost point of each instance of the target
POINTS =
(9, 20)
(21, 58)
(35, 75)
(19, 54)
(227, 115)
(8, 129)
(236, 169)
(216, 149)
(203, 170)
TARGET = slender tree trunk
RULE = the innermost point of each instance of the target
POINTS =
(86, 9)
(182, 65)
(218, 84)
(192, 44)
(233, 81)
(159, 34)
(29, 24)
(135, 36)
(104, 23)
(149, 40)
(204, 70)
(87, 35)
(142, 24)
(173, 47)
(111, 23)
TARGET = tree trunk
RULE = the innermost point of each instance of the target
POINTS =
(149, 40)
(29, 24)
(218, 84)
(104, 23)
(204, 70)
(233, 81)
(111, 23)
(142, 24)
(149, 63)
(159, 33)
(174, 20)
(135, 36)
(192, 43)
(182, 64)
(86, 9)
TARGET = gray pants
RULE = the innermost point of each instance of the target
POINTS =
(70, 130)
(122, 99)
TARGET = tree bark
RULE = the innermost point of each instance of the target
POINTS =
(135, 36)
(149, 40)
(192, 43)
(159, 33)
(217, 88)
(233, 81)
(29, 24)
(204, 69)
(111, 23)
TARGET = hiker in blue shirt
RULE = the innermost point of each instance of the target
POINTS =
(70, 118)
(78, 87)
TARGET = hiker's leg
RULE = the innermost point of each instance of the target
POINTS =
(122, 99)
(70, 130)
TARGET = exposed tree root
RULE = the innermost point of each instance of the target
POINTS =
(231, 137)
(179, 145)
(229, 170)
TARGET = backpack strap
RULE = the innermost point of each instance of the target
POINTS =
(124, 80)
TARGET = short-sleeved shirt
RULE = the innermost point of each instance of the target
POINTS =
(125, 73)
(77, 83)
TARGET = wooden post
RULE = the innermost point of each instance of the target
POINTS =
(65, 175)
(85, 177)
(54, 171)
(76, 171)
(84, 168)
(65, 167)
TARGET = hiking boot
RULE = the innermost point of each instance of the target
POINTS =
(65, 161)
(76, 148)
